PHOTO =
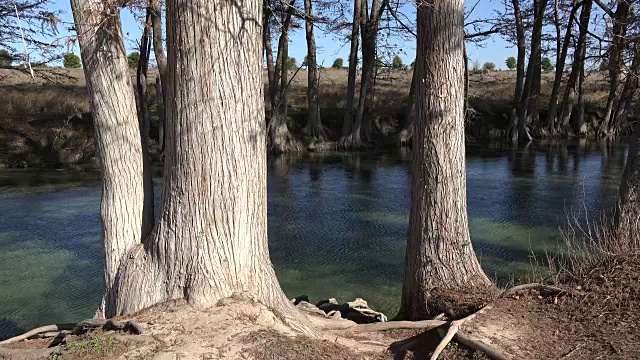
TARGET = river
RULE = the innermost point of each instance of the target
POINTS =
(337, 223)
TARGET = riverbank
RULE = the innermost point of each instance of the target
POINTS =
(47, 122)
(592, 316)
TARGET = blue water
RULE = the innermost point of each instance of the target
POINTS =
(337, 223)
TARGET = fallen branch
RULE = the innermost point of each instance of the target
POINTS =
(467, 341)
(36, 331)
(80, 328)
(453, 329)
(532, 286)
(390, 325)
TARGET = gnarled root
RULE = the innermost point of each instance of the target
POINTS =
(79, 328)
(351, 142)
(532, 286)
(453, 329)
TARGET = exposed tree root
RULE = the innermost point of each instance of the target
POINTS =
(281, 141)
(79, 328)
(351, 141)
(532, 286)
(391, 325)
(453, 329)
(36, 331)
(467, 341)
(404, 137)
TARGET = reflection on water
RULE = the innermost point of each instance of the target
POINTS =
(337, 223)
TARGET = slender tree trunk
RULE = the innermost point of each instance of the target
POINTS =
(627, 216)
(353, 66)
(527, 90)
(161, 60)
(280, 139)
(369, 23)
(268, 50)
(562, 58)
(144, 123)
(578, 115)
(571, 91)
(522, 49)
(161, 113)
(628, 92)
(533, 114)
(117, 133)
(314, 128)
(405, 135)
(439, 254)
(618, 38)
(211, 238)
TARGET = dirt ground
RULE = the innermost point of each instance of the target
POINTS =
(595, 317)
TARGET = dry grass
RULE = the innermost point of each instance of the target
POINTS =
(589, 245)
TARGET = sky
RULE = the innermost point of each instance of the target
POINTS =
(331, 46)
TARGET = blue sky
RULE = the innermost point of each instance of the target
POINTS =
(331, 46)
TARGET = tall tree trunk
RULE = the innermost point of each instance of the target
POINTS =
(618, 43)
(280, 139)
(161, 60)
(405, 135)
(144, 123)
(522, 50)
(314, 128)
(627, 216)
(353, 66)
(369, 23)
(571, 91)
(117, 134)
(628, 92)
(578, 116)
(268, 52)
(527, 89)
(211, 238)
(562, 58)
(533, 114)
(439, 254)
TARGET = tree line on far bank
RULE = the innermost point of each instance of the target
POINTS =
(566, 38)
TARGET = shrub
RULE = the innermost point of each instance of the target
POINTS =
(338, 63)
(397, 62)
(71, 61)
(546, 64)
(292, 63)
(489, 66)
(5, 58)
(511, 63)
(133, 59)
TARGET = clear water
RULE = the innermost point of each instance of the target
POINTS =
(337, 224)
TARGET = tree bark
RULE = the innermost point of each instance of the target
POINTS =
(405, 135)
(527, 89)
(615, 61)
(439, 254)
(280, 139)
(161, 60)
(572, 91)
(627, 216)
(211, 238)
(562, 58)
(522, 49)
(314, 128)
(360, 132)
(117, 133)
(144, 123)
(628, 92)
(353, 65)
